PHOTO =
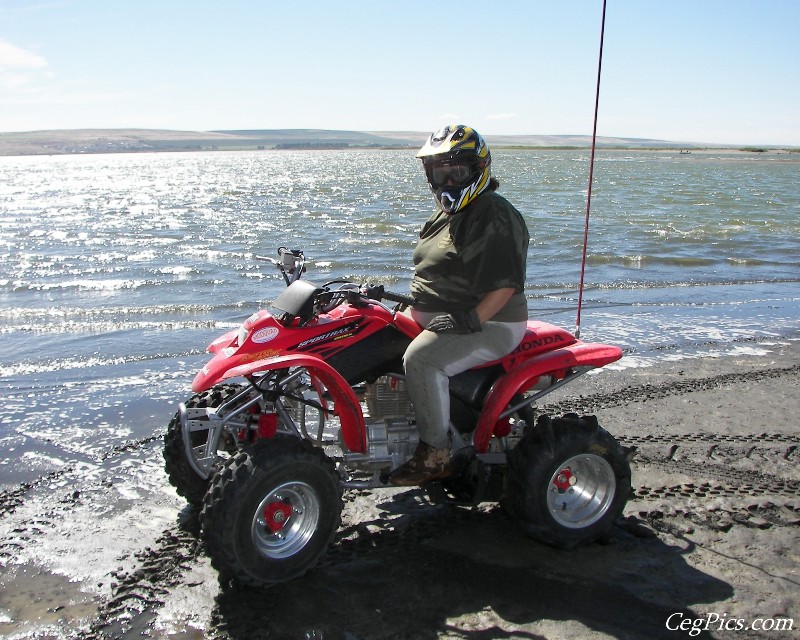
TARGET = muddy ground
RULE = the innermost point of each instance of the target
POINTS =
(104, 548)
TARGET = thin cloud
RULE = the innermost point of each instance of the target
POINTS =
(13, 57)
(20, 68)
(502, 116)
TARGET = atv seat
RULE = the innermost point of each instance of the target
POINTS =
(472, 386)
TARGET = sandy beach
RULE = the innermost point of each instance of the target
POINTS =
(710, 546)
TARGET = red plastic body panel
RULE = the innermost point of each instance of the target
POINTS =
(407, 325)
(540, 337)
(268, 339)
(526, 373)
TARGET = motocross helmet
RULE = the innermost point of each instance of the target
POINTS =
(457, 164)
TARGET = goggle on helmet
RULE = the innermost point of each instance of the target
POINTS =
(457, 163)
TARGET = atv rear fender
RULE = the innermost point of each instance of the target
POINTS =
(558, 364)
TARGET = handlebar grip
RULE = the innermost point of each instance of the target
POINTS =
(397, 297)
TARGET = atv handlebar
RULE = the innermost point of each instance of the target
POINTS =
(377, 292)
(291, 264)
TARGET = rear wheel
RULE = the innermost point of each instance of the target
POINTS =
(182, 476)
(270, 514)
(568, 481)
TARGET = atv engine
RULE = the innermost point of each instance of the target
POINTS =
(391, 425)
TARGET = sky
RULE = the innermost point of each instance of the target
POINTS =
(702, 71)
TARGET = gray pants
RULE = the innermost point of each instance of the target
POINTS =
(432, 358)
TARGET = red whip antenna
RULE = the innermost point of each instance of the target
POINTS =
(591, 176)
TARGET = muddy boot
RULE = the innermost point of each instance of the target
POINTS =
(426, 464)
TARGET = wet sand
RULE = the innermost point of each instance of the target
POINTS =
(105, 548)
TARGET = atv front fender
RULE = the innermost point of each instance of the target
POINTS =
(225, 340)
(526, 374)
(346, 404)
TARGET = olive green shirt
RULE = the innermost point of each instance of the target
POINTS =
(461, 257)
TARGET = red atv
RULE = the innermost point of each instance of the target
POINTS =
(310, 399)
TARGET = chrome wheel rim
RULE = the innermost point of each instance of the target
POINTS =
(285, 520)
(581, 491)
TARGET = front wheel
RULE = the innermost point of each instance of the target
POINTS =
(181, 475)
(568, 481)
(270, 513)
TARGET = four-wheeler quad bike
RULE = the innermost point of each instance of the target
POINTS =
(310, 399)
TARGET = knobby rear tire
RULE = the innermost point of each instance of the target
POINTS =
(568, 481)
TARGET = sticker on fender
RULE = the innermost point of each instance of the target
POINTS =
(265, 335)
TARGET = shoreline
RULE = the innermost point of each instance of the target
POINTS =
(112, 141)
(786, 153)
(106, 549)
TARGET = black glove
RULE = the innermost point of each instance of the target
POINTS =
(456, 322)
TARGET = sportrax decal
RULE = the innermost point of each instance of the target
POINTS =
(337, 334)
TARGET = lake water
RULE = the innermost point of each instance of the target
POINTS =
(117, 270)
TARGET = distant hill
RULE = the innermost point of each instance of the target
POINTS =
(416, 138)
(82, 141)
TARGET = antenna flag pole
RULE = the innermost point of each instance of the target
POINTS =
(591, 177)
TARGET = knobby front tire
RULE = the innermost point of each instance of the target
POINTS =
(271, 512)
(187, 483)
